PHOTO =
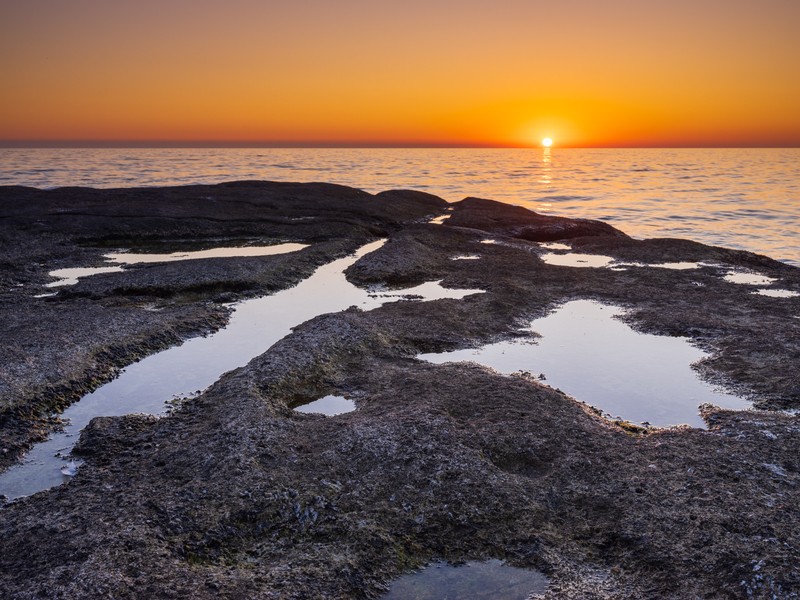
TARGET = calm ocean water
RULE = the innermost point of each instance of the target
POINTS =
(740, 198)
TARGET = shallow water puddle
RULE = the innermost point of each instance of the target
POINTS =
(746, 278)
(329, 406)
(778, 293)
(488, 580)
(673, 266)
(599, 261)
(574, 259)
(554, 246)
(70, 276)
(441, 218)
(466, 257)
(600, 360)
(752, 278)
(430, 290)
(130, 258)
(254, 326)
(677, 266)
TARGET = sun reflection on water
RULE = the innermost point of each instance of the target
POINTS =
(545, 176)
(740, 198)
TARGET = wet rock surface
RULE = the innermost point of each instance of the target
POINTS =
(518, 222)
(236, 495)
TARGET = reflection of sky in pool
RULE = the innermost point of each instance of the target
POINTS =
(555, 246)
(328, 405)
(487, 580)
(254, 326)
(746, 278)
(778, 293)
(70, 276)
(129, 258)
(603, 362)
(574, 259)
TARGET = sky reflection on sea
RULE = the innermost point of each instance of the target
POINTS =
(741, 198)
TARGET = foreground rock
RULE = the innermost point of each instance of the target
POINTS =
(237, 495)
(58, 348)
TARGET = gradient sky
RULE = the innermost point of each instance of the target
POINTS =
(365, 72)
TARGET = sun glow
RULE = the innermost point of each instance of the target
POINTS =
(547, 142)
(94, 82)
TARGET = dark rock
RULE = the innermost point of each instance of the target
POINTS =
(517, 222)
(235, 495)
(104, 437)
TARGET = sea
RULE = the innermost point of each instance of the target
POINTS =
(735, 197)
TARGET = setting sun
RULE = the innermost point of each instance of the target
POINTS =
(547, 142)
(80, 74)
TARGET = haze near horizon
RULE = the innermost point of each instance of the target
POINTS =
(467, 73)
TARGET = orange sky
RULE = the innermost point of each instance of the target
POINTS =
(365, 72)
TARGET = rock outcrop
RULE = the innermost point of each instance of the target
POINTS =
(234, 494)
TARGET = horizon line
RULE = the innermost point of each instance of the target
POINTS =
(261, 144)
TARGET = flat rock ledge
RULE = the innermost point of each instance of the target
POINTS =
(236, 495)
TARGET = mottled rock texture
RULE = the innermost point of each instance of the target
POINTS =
(235, 495)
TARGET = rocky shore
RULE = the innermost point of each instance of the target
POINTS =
(236, 495)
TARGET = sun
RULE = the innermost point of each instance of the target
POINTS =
(547, 142)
